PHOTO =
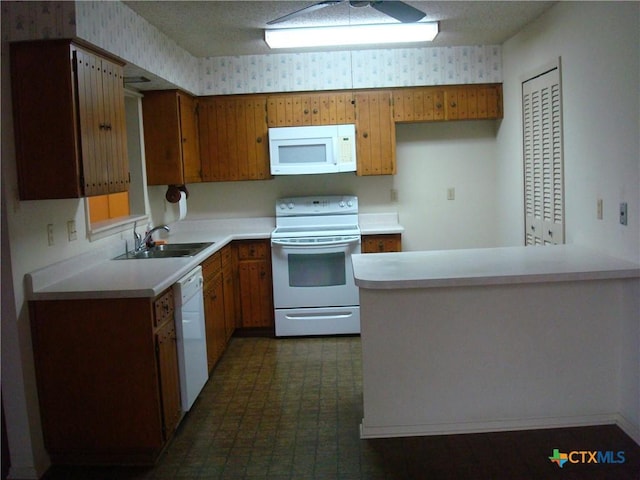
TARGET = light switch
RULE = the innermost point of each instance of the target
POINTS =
(71, 230)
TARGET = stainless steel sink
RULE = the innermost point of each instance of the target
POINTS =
(168, 250)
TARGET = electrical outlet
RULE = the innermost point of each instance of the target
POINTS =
(599, 213)
(451, 193)
(50, 234)
(71, 230)
(623, 213)
(394, 195)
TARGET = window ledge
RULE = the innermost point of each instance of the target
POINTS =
(106, 228)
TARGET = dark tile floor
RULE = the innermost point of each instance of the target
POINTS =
(291, 408)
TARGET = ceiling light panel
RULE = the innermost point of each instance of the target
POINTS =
(391, 33)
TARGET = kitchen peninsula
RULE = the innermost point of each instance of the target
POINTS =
(494, 339)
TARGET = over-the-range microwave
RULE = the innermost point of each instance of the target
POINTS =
(312, 149)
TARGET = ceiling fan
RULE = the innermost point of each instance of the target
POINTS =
(396, 9)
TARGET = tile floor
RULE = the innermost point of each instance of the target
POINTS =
(290, 409)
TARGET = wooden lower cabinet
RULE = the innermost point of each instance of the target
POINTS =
(388, 242)
(107, 376)
(255, 284)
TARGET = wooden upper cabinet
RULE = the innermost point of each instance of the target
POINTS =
(172, 148)
(455, 102)
(376, 133)
(418, 104)
(301, 109)
(69, 120)
(233, 138)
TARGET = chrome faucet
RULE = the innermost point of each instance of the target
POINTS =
(143, 243)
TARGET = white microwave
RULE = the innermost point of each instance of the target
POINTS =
(312, 149)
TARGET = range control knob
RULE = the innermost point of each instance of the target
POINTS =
(350, 203)
(283, 206)
(290, 205)
(341, 204)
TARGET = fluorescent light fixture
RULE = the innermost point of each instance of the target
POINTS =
(351, 35)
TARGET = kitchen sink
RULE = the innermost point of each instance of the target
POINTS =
(167, 250)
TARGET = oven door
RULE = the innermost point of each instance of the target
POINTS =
(314, 272)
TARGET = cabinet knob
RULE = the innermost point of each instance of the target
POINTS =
(306, 111)
(259, 139)
(453, 104)
(438, 105)
(550, 233)
(365, 135)
(315, 110)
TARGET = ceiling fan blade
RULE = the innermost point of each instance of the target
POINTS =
(399, 10)
(310, 8)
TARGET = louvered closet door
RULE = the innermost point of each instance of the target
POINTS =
(543, 164)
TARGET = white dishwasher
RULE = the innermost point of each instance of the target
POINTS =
(192, 341)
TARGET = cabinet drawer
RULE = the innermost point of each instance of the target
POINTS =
(253, 250)
(381, 243)
(164, 307)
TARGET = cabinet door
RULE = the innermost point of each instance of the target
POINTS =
(418, 104)
(214, 319)
(233, 138)
(229, 292)
(189, 138)
(167, 357)
(115, 127)
(376, 133)
(256, 296)
(171, 138)
(102, 125)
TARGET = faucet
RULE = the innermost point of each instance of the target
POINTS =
(143, 243)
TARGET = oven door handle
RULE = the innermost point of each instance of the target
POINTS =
(306, 245)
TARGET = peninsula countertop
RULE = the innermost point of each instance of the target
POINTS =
(487, 266)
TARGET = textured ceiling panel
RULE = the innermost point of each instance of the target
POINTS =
(223, 28)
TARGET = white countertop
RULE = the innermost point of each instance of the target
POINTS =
(487, 266)
(96, 275)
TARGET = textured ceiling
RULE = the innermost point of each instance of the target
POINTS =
(223, 28)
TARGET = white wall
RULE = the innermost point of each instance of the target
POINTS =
(599, 44)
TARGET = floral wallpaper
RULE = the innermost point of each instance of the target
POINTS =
(351, 69)
(119, 30)
(114, 27)
(37, 20)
